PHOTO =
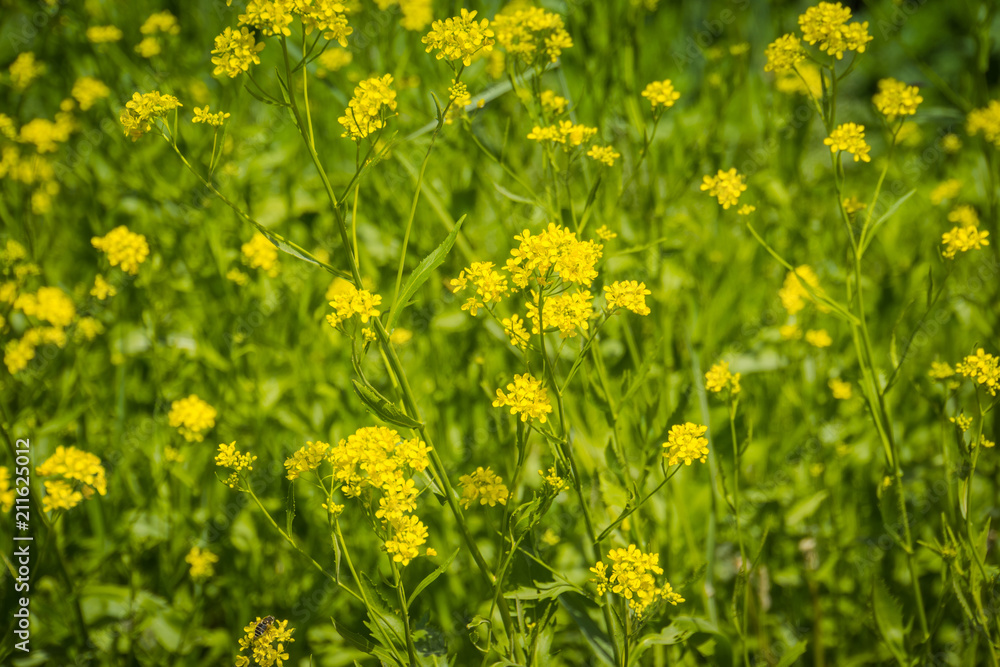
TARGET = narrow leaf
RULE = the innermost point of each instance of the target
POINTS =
(383, 407)
(429, 579)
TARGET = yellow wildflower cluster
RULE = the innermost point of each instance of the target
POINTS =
(531, 35)
(46, 134)
(333, 60)
(459, 38)
(566, 133)
(80, 473)
(260, 253)
(192, 417)
(33, 170)
(553, 103)
(982, 367)
(353, 301)
(49, 304)
(783, 54)
(235, 51)
(202, 115)
(818, 338)
(895, 98)
(555, 249)
(632, 577)
(964, 214)
(24, 70)
(827, 23)
(553, 479)
(849, 137)
(202, 562)
(372, 104)
(604, 154)
(102, 289)
(661, 94)
(7, 493)
(417, 14)
(102, 34)
(87, 90)
(124, 248)
(525, 396)
(230, 457)
(485, 486)
(164, 22)
(965, 235)
(726, 186)
(491, 285)
(987, 121)
(628, 294)
(568, 312)
(377, 458)
(794, 294)
(686, 442)
(18, 353)
(267, 649)
(139, 113)
(719, 379)
(940, 370)
(840, 389)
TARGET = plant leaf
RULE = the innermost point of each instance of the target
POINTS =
(429, 579)
(383, 407)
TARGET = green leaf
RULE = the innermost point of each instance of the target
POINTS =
(598, 640)
(888, 214)
(668, 636)
(804, 509)
(789, 657)
(429, 579)
(888, 619)
(545, 590)
(423, 271)
(383, 407)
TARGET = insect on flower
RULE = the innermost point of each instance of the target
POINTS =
(262, 627)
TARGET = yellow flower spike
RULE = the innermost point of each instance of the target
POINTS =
(686, 442)
(726, 186)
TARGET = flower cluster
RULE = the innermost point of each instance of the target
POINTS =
(123, 247)
(726, 186)
(827, 23)
(794, 294)
(7, 493)
(260, 253)
(987, 121)
(49, 304)
(661, 94)
(840, 389)
(567, 312)
(102, 34)
(895, 98)
(604, 154)
(982, 367)
(24, 70)
(373, 102)
(80, 473)
(963, 239)
(18, 353)
(46, 134)
(87, 90)
(459, 38)
(719, 379)
(485, 486)
(235, 460)
(632, 577)
(192, 417)
(554, 104)
(417, 14)
(783, 54)
(202, 562)
(202, 115)
(628, 294)
(849, 137)
(686, 442)
(531, 34)
(525, 396)
(491, 285)
(351, 301)
(266, 649)
(235, 51)
(566, 133)
(139, 113)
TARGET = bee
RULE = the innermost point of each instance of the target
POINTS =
(262, 627)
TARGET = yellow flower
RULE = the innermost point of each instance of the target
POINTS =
(852, 205)
(982, 367)
(24, 70)
(237, 276)
(327, 16)
(201, 115)
(685, 442)
(514, 328)
(491, 285)
(962, 422)
(894, 98)
(230, 457)
(139, 113)
(459, 38)
(60, 496)
(963, 239)
(192, 417)
(987, 121)
(164, 22)
(235, 52)
(605, 234)
(46, 134)
(818, 338)
(306, 459)
(260, 253)
(408, 535)
(783, 54)
(628, 294)
(485, 486)
(202, 562)
(794, 294)
(87, 90)
(632, 577)
(124, 248)
(661, 94)
(964, 215)
(605, 154)
(940, 370)
(567, 312)
(372, 104)
(352, 302)
(553, 479)
(50, 304)
(72, 465)
(553, 103)
(946, 190)
(7, 492)
(525, 396)
(726, 186)
(746, 209)
(841, 390)
(148, 47)
(101, 34)
(827, 24)
(849, 137)
(332, 60)
(266, 649)
(531, 34)
(718, 379)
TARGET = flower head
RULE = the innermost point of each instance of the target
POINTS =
(686, 442)
(266, 649)
(525, 396)
(719, 379)
(895, 98)
(81, 475)
(531, 34)
(485, 486)
(628, 294)
(987, 121)
(983, 368)
(260, 253)
(783, 54)
(192, 417)
(373, 102)
(632, 577)
(661, 94)
(353, 301)
(726, 186)
(202, 115)
(202, 562)
(849, 137)
(139, 113)
(235, 51)
(827, 23)
(459, 38)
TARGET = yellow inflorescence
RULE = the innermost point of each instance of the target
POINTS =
(124, 248)
(628, 294)
(235, 51)
(485, 486)
(266, 650)
(374, 101)
(632, 577)
(719, 379)
(202, 115)
(459, 38)
(192, 417)
(963, 239)
(661, 94)
(983, 368)
(531, 34)
(525, 396)
(827, 23)
(139, 113)
(783, 54)
(849, 137)
(352, 301)
(49, 304)
(987, 121)
(794, 294)
(895, 98)
(81, 475)
(260, 253)
(87, 90)
(726, 186)
(686, 442)
(202, 562)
